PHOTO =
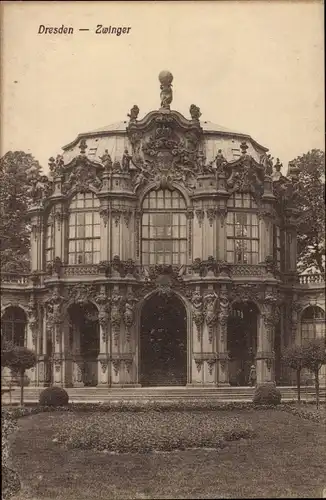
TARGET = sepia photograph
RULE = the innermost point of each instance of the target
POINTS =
(162, 246)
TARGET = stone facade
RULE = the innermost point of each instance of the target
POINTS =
(216, 173)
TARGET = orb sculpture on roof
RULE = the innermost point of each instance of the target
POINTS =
(166, 78)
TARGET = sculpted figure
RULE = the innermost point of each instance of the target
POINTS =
(276, 175)
(134, 112)
(267, 163)
(220, 161)
(210, 305)
(195, 112)
(126, 158)
(106, 160)
(128, 315)
(165, 78)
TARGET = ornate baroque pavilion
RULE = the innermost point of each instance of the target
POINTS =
(163, 252)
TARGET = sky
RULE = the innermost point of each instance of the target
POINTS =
(254, 67)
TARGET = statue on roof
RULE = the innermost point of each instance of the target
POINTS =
(106, 160)
(126, 158)
(166, 78)
(277, 174)
(134, 112)
(266, 161)
(194, 112)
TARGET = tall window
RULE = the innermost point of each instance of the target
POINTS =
(13, 325)
(84, 229)
(242, 230)
(312, 323)
(164, 228)
(49, 239)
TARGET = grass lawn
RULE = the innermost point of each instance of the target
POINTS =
(286, 459)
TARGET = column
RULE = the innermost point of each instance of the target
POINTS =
(78, 362)
(220, 241)
(129, 339)
(209, 337)
(41, 346)
(222, 355)
(196, 332)
(31, 341)
(198, 233)
(102, 302)
(67, 353)
(265, 342)
(116, 320)
(105, 233)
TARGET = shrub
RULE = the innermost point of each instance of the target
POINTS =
(10, 482)
(20, 359)
(267, 394)
(54, 396)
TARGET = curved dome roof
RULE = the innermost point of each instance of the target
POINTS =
(114, 139)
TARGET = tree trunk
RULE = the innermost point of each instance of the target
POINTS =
(317, 387)
(22, 373)
(299, 385)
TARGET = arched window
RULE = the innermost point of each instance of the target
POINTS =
(49, 238)
(13, 325)
(242, 230)
(312, 323)
(84, 229)
(164, 228)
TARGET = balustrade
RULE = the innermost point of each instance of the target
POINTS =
(306, 279)
(21, 279)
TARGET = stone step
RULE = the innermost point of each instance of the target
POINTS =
(100, 394)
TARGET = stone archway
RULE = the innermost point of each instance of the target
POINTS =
(242, 341)
(84, 340)
(163, 341)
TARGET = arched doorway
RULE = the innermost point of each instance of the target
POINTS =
(84, 340)
(163, 342)
(242, 341)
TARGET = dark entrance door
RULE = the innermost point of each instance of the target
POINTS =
(242, 342)
(163, 342)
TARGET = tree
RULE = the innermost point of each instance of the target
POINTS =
(21, 359)
(293, 357)
(314, 357)
(17, 170)
(310, 202)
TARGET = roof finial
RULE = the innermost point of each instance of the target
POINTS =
(166, 78)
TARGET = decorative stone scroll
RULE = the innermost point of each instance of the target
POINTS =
(128, 313)
(116, 315)
(210, 303)
(198, 312)
(32, 314)
(103, 304)
(224, 310)
(81, 293)
(54, 311)
(200, 214)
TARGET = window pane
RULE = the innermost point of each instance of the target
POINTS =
(97, 230)
(72, 232)
(88, 231)
(88, 218)
(96, 245)
(88, 245)
(80, 232)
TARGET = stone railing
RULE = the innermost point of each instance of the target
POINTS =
(247, 270)
(306, 279)
(80, 270)
(15, 279)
